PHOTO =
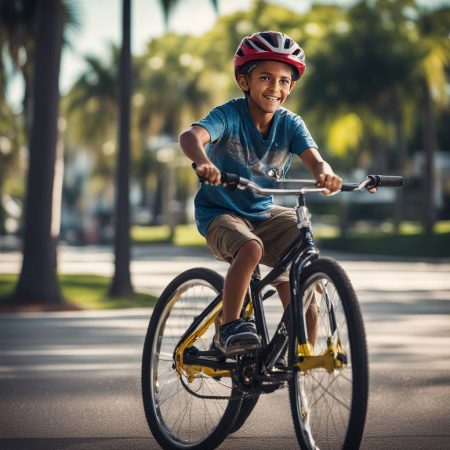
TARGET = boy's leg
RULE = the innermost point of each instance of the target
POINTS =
(237, 335)
(230, 238)
(238, 278)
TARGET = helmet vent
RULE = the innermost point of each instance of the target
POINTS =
(287, 43)
(259, 45)
(270, 38)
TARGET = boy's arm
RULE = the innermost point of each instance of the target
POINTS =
(193, 143)
(321, 170)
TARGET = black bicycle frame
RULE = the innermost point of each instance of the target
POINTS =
(299, 253)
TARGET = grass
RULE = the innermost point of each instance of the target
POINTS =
(185, 235)
(408, 242)
(83, 292)
(91, 291)
(364, 238)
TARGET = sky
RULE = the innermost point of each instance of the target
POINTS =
(101, 24)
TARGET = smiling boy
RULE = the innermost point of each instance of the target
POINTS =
(253, 137)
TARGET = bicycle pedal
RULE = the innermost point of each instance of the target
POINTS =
(283, 374)
(269, 386)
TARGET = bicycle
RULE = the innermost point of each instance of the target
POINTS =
(194, 396)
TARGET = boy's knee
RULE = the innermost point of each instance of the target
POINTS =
(251, 250)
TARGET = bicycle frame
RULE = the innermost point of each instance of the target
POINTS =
(328, 405)
(301, 252)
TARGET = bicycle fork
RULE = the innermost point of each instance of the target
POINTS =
(333, 358)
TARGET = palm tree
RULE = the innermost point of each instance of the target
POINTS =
(91, 111)
(38, 280)
(17, 20)
(121, 283)
(32, 33)
(91, 104)
(17, 37)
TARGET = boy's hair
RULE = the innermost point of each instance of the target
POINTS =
(269, 45)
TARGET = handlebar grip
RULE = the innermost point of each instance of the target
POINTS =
(200, 178)
(386, 180)
(230, 179)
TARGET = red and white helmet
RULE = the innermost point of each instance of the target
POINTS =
(269, 45)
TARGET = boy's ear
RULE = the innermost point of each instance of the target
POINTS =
(292, 86)
(243, 82)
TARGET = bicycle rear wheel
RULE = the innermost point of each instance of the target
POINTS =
(177, 411)
(329, 409)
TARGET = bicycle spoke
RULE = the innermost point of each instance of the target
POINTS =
(326, 391)
(181, 411)
(332, 418)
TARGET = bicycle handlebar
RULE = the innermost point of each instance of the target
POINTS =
(373, 181)
(233, 181)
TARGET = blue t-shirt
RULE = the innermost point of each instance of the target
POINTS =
(237, 146)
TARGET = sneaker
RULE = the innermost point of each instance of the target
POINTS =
(238, 336)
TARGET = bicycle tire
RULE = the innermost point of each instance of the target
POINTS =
(247, 406)
(329, 410)
(177, 418)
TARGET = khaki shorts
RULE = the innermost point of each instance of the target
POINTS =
(227, 233)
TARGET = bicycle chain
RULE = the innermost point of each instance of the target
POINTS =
(210, 397)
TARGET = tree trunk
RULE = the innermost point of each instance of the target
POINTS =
(38, 282)
(401, 151)
(121, 283)
(428, 209)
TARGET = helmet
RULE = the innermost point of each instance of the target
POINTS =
(269, 45)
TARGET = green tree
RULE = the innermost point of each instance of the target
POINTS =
(171, 91)
(433, 79)
(91, 109)
(361, 70)
(10, 141)
(362, 86)
(17, 42)
(91, 104)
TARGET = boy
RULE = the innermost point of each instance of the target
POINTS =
(253, 137)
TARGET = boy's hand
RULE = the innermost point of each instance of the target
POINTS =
(331, 182)
(209, 172)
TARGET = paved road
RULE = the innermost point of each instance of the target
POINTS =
(71, 380)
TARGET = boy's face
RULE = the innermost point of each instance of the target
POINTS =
(268, 85)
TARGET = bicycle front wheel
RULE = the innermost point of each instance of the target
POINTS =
(329, 407)
(185, 410)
